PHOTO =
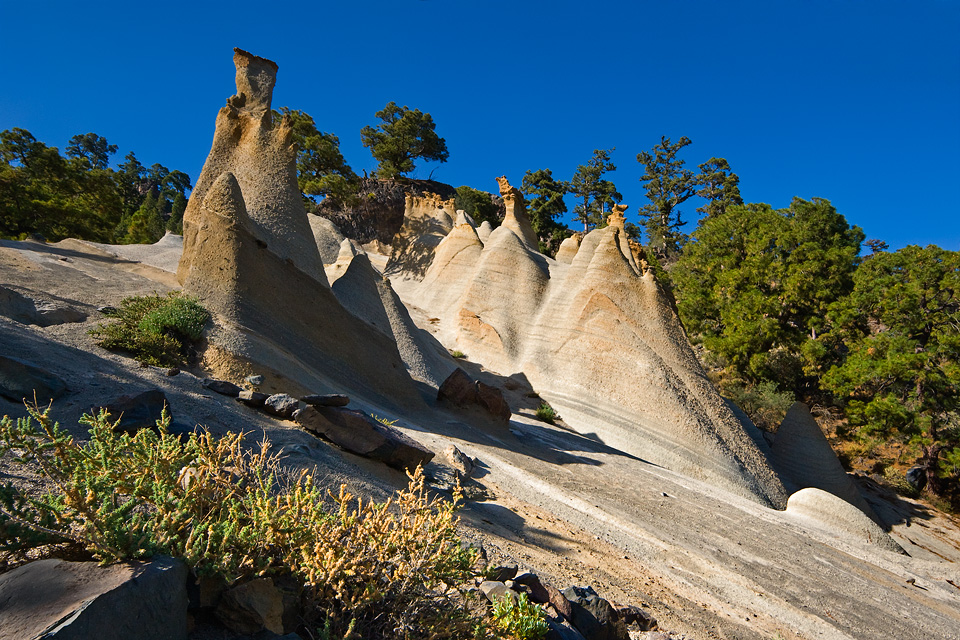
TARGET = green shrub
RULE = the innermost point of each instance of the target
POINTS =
(522, 620)
(546, 413)
(155, 329)
(374, 570)
(458, 354)
(763, 402)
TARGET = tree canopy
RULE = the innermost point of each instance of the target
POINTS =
(544, 198)
(321, 168)
(668, 185)
(592, 191)
(900, 375)
(402, 136)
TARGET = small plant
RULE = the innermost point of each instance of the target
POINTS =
(520, 619)
(458, 354)
(385, 421)
(546, 413)
(366, 569)
(155, 329)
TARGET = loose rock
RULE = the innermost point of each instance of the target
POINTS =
(593, 616)
(222, 387)
(139, 411)
(326, 400)
(282, 405)
(460, 461)
(252, 398)
(635, 615)
(358, 433)
(61, 600)
(252, 607)
(20, 379)
(495, 591)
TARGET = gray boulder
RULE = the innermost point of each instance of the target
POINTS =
(252, 398)
(326, 400)
(140, 411)
(252, 607)
(281, 405)
(593, 616)
(56, 599)
(222, 387)
(358, 433)
(20, 379)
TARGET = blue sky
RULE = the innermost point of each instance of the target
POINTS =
(856, 101)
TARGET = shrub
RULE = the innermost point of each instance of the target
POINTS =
(366, 568)
(763, 402)
(155, 329)
(546, 413)
(520, 619)
(458, 354)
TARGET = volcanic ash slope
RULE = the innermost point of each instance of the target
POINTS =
(599, 340)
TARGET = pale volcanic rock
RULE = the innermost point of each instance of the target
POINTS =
(261, 156)
(827, 512)
(516, 214)
(599, 340)
(803, 457)
(426, 221)
(327, 236)
(568, 249)
(484, 230)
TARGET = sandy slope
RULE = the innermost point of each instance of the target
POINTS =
(709, 563)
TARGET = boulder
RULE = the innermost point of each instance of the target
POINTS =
(593, 616)
(462, 391)
(635, 615)
(281, 405)
(358, 433)
(252, 398)
(560, 629)
(61, 600)
(140, 411)
(326, 400)
(222, 387)
(917, 478)
(20, 379)
(495, 591)
(252, 607)
(461, 462)
(537, 592)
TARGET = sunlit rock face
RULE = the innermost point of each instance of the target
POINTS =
(598, 338)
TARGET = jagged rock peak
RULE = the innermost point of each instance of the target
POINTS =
(616, 217)
(256, 78)
(516, 218)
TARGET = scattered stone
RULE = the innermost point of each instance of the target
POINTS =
(461, 462)
(358, 433)
(495, 591)
(917, 478)
(560, 629)
(255, 380)
(503, 573)
(462, 391)
(172, 371)
(282, 405)
(537, 592)
(593, 616)
(61, 600)
(326, 400)
(20, 379)
(288, 450)
(558, 601)
(635, 615)
(139, 411)
(222, 387)
(205, 592)
(252, 607)
(252, 398)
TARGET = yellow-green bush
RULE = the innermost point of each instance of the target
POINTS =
(387, 570)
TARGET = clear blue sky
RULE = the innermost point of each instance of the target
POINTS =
(856, 101)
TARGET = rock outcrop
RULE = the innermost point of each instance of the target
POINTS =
(426, 221)
(598, 338)
(250, 256)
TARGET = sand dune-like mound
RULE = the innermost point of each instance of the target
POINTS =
(250, 256)
(327, 236)
(827, 512)
(803, 457)
(596, 337)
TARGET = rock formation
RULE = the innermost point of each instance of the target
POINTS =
(426, 220)
(516, 213)
(597, 337)
(251, 257)
(261, 157)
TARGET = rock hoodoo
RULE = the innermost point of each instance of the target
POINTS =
(251, 257)
(597, 337)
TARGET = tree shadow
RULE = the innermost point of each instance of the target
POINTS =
(63, 252)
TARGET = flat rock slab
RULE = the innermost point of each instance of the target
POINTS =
(358, 433)
(82, 600)
(140, 411)
(20, 379)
